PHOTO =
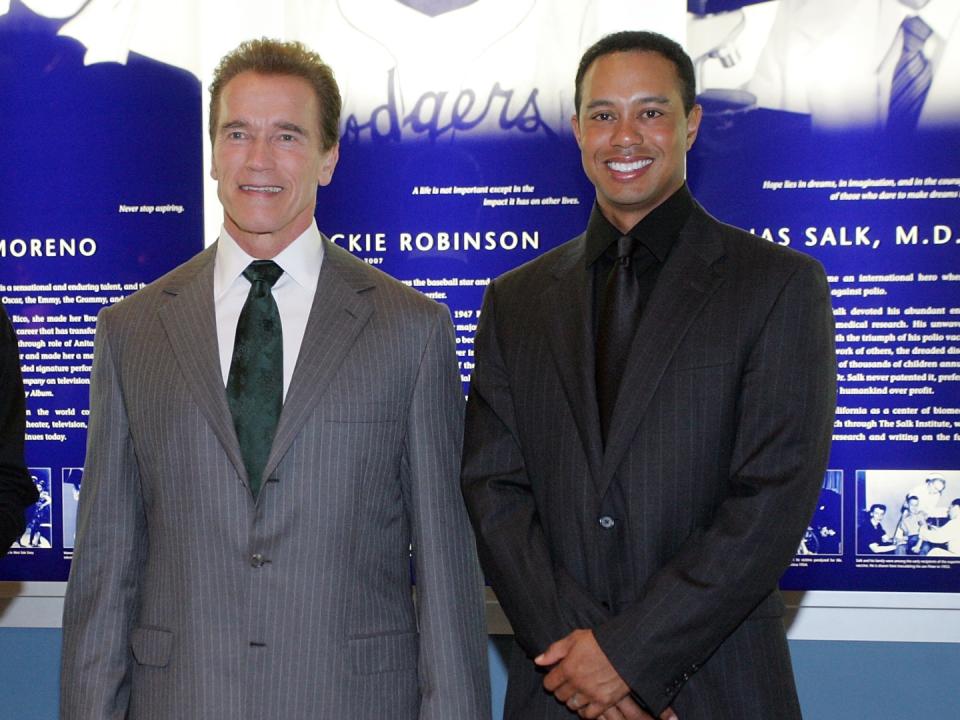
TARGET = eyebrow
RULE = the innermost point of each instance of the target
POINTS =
(281, 125)
(292, 127)
(656, 99)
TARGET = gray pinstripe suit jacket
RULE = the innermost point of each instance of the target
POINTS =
(187, 599)
(719, 441)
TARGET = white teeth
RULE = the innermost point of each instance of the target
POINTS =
(628, 167)
(261, 188)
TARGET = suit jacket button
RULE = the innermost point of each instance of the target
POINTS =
(257, 560)
(607, 522)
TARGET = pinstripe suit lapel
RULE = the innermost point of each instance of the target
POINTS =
(338, 314)
(565, 313)
(686, 282)
(190, 321)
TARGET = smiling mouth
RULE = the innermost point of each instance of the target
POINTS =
(626, 167)
(261, 188)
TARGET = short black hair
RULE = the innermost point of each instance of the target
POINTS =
(877, 505)
(642, 41)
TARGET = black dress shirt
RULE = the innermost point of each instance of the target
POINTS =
(656, 234)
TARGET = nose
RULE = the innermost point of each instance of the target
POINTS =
(260, 155)
(627, 132)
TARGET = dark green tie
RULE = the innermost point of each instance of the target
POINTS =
(255, 383)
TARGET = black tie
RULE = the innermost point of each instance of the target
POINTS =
(255, 383)
(616, 327)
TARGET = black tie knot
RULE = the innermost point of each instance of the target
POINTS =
(263, 271)
(625, 249)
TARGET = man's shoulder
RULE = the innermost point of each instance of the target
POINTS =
(534, 275)
(391, 295)
(148, 298)
(752, 254)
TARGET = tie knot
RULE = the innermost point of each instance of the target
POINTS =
(625, 248)
(263, 271)
(915, 34)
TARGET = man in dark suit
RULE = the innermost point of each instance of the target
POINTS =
(17, 493)
(275, 426)
(648, 427)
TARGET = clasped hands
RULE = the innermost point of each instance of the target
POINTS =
(582, 678)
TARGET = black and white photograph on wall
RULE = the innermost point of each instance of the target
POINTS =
(909, 513)
(39, 531)
(824, 535)
(70, 493)
(868, 64)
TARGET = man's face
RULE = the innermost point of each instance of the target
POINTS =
(912, 505)
(876, 515)
(633, 133)
(268, 160)
(954, 512)
(937, 486)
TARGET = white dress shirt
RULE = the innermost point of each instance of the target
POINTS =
(293, 293)
(949, 534)
(928, 502)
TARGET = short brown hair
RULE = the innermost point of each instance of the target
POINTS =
(275, 57)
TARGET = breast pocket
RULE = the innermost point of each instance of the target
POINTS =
(361, 412)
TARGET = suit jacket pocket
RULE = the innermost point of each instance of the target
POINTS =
(151, 646)
(384, 653)
(683, 365)
(360, 412)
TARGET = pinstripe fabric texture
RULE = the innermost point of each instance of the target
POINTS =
(668, 542)
(187, 599)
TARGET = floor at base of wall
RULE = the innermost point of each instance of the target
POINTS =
(836, 680)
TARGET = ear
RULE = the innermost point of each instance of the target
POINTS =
(328, 163)
(213, 165)
(693, 124)
(575, 124)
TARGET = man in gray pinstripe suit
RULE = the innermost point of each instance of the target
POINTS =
(194, 595)
(635, 535)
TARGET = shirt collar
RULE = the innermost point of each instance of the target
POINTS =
(940, 16)
(657, 230)
(300, 260)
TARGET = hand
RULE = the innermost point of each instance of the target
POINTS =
(582, 676)
(627, 709)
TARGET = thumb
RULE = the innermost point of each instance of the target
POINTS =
(553, 654)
